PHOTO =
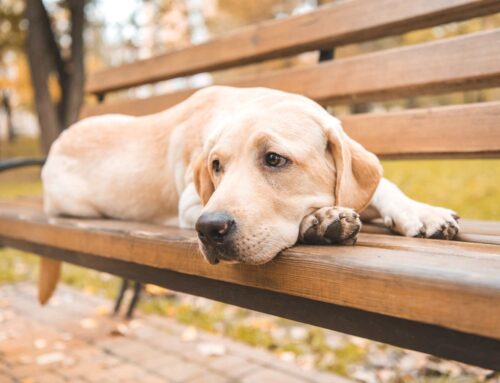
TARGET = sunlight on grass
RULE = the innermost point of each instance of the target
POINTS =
(15, 189)
(17, 266)
(471, 187)
(22, 146)
(23, 182)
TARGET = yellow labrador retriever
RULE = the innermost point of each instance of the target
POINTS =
(253, 170)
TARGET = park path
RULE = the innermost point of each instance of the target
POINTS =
(75, 340)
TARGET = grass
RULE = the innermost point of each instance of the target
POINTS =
(24, 181)
(471, 187)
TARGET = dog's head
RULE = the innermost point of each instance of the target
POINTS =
(268, 165)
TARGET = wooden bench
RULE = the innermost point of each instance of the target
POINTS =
(433, 296)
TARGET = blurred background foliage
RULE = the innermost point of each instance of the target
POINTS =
(139, 29)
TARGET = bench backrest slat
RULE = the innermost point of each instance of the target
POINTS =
(338, 24)
(466, 62)
(461, 130)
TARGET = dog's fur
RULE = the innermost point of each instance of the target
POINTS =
(158, 168)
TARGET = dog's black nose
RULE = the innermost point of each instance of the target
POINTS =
(215, 227)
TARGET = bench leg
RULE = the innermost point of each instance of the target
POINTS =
(119, 299)
(135, 299)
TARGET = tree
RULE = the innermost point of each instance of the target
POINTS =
(48, 62)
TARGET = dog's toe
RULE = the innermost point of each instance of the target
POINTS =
(331, 225)
(424, 221)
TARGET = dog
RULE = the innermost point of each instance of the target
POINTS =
(253, 170)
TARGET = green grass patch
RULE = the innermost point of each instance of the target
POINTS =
(16, 266)
(345, 356)
(470, 187)
(91, 281)
(21, 182)
(20, 188)
(22, 146)
(251, 335)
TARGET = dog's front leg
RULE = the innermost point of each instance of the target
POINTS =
(189, 207)
(411, 218)
(330, 225)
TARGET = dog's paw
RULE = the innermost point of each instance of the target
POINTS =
(424, 221)
(330, 225)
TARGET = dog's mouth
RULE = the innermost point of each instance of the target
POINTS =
(215, 254)
(230, 255)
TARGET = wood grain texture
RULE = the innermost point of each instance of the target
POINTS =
(431, 339)
(464, 62)
(338, 24)
(470, 231)
(450, 284)
(458, 129)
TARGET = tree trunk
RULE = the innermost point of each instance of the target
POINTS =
(72, 89)
(45, 60)
(41, 59)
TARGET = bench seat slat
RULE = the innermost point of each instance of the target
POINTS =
(468, 233)
(464, 62)
(346, 22)
(470, 230)
(423, 280)
(27, 206)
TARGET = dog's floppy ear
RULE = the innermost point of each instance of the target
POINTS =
(202, 180)
(358, 172)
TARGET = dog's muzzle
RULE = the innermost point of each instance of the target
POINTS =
(216, 232)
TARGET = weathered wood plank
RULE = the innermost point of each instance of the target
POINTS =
(453, 285)
(473, 231)
(342, 23)
(464, 62)
(457, 129)
(436, 340)
(470, 231)
(139, 106)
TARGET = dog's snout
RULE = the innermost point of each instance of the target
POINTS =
(215, 227)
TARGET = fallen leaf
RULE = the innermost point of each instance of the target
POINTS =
(49, 358)
(287, 356)
(211, 349)
(120, 330)
(190, 334)
(40, 343)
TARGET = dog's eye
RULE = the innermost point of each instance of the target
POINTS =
(274, 160)
(216, 166)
